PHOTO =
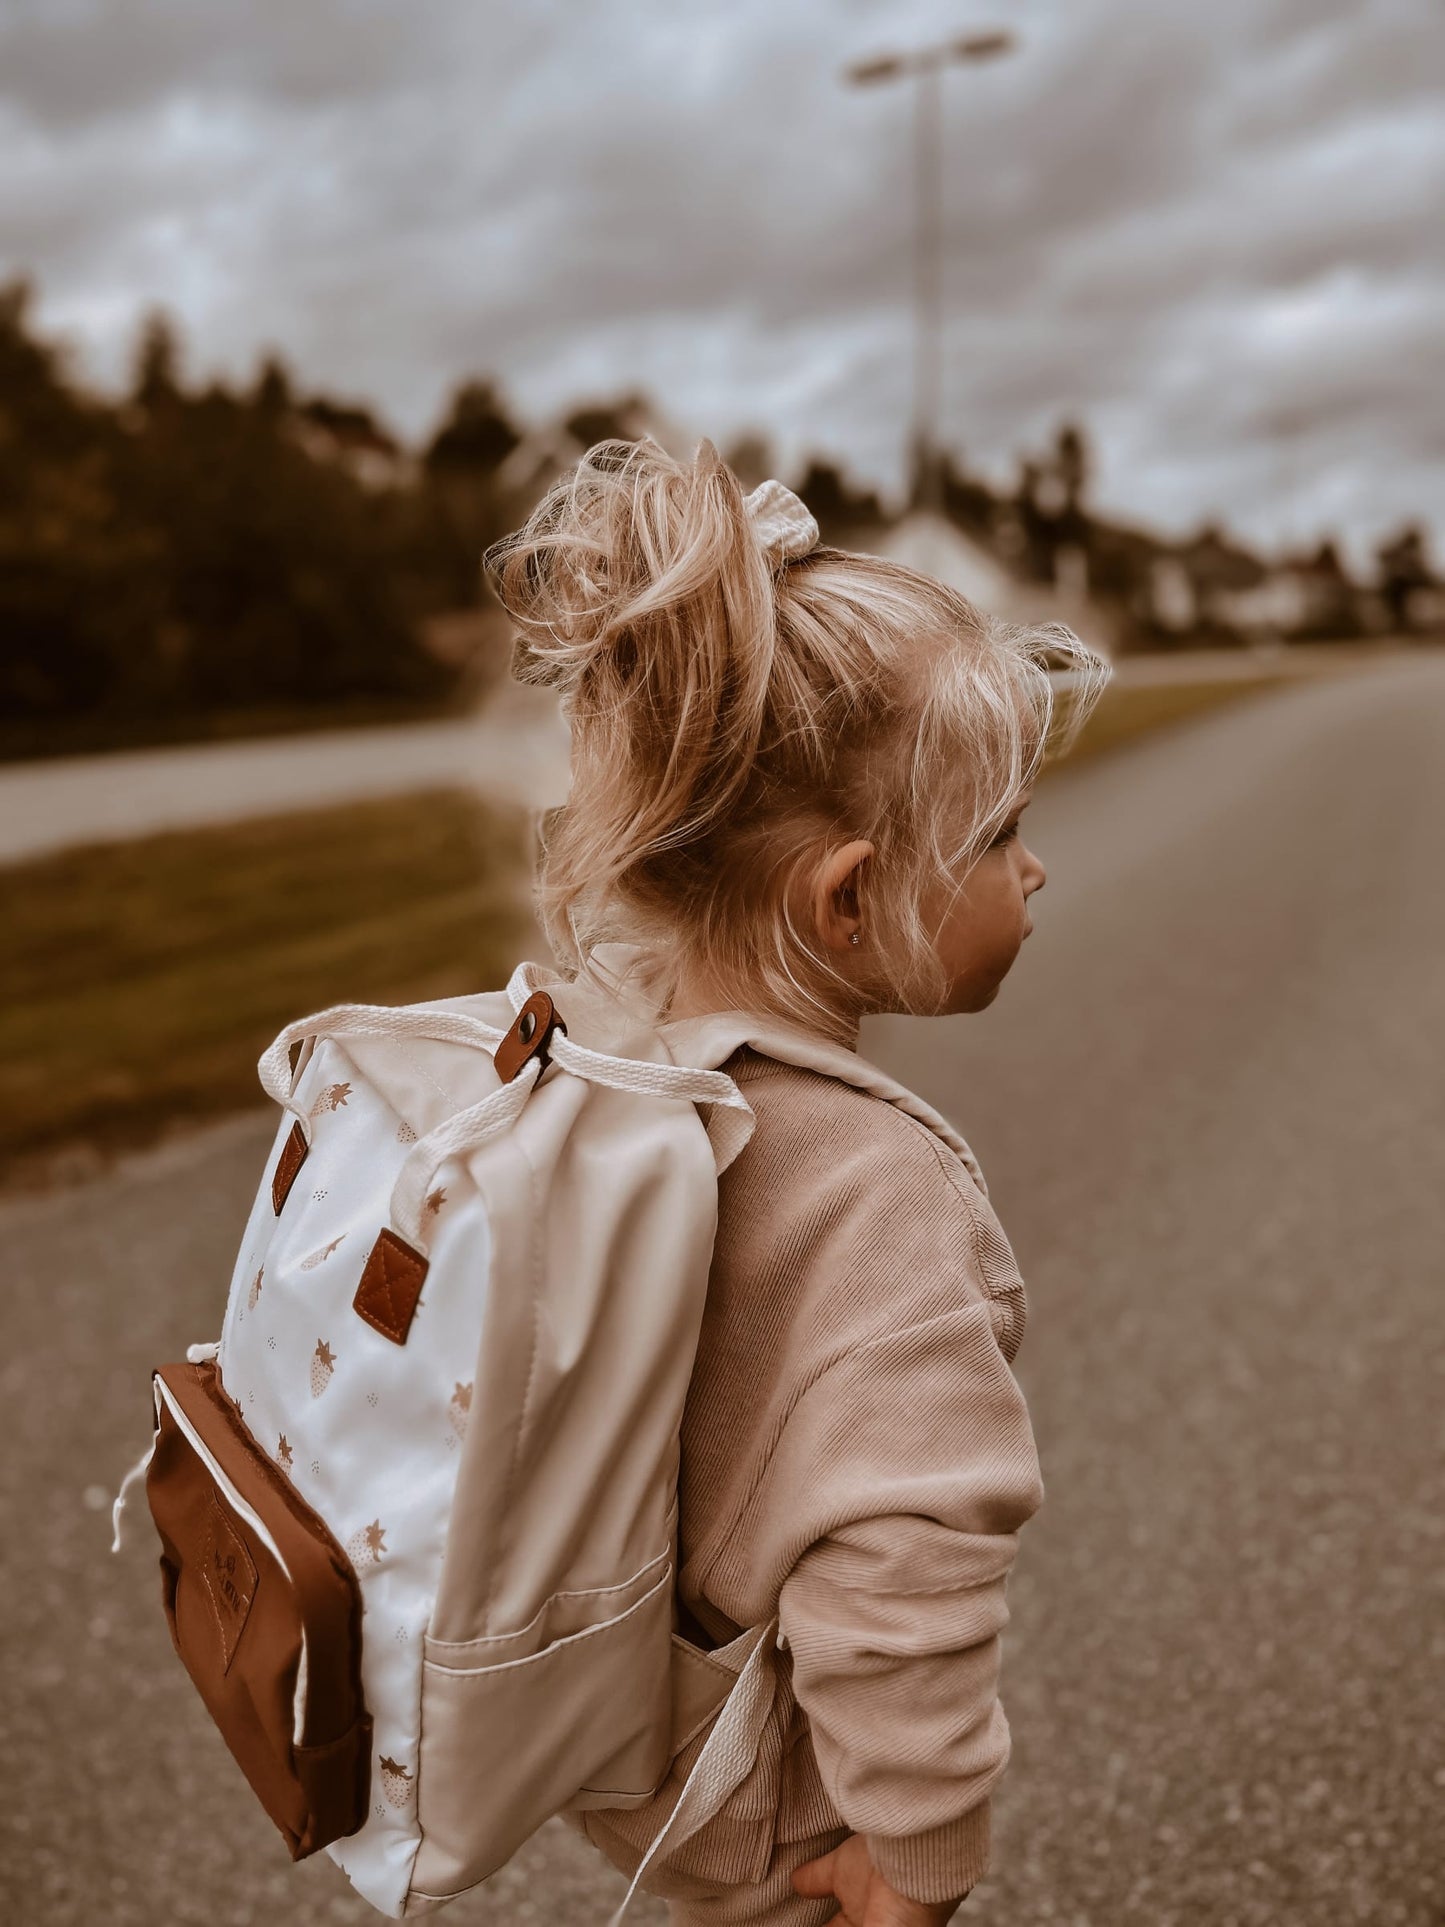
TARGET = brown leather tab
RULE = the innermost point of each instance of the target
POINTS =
(293, 1156)
(529, 1036)
(391, 1282)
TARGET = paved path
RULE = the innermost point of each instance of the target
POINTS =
(515, 749)
(1210, 1108)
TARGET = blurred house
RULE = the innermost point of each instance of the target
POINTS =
(1208, 584)
(542, 454)
(937, 546)
(351, 438)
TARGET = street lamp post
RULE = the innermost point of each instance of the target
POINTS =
(925, 67)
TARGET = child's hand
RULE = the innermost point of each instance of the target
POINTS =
(866, 1898)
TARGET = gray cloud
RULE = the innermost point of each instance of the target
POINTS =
(1210, 234)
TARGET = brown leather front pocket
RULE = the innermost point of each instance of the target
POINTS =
(264, 1609)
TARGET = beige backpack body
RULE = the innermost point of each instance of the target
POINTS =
(418, 1505)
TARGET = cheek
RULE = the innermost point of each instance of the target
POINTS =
(982, 936)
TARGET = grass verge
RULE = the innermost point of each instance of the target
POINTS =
(1125, 711)
(139, 982)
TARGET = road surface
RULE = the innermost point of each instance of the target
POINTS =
(1209, 1104)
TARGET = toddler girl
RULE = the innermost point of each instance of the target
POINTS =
(797, 782)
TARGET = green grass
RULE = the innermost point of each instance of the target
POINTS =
(1124, 712)
(139, 982)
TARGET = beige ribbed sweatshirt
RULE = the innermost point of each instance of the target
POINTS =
(856, 1457)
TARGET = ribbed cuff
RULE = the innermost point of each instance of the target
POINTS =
(942, 1864)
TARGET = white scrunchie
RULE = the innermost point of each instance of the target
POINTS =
(782, 522)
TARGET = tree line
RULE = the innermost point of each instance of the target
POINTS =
(184, 557)
(182, 552)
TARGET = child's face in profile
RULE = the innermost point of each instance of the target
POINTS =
(980, 931)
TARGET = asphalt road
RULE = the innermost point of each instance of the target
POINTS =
(1210, 1106)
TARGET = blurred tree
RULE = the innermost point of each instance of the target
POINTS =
(348, 423)
(968, 502)
(838, 507)
(750, 459)
(1403, 565)
(622, 420)
(182, 554)
(156, 380)
(273, 394)
(277, 587)
(463, 503)
(1035, 521)
(477, 434)
(73, 571)
(1073, 464)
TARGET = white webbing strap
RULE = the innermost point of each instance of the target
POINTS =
(456, 1027)
(732, 1118)
(468, 1130)
(369, 1020)
(728, 1756)
(729, 1124)
(463, 1131)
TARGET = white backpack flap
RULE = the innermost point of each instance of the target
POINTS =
(461, 1324)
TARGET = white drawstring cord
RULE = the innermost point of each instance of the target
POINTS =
(727, 1757)
(127, 1486)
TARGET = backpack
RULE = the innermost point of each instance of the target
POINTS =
(417, 1506)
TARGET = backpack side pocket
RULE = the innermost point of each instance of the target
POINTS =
(264, 1610)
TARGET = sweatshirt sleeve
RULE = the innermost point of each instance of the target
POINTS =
(913, 1465)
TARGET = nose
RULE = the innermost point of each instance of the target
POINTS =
(1037, 876)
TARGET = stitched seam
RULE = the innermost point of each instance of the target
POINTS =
(375, 1297)
(389, 1285)
(582, 1592)
(954, 1591)
(228, 1648)
(211, 1593)
(946, 1154)
(288, 1167)
(1007, 1297)
(424, 1074)
(721, 1537)
(375, 1323)
(535, 1248)
(961, 1181)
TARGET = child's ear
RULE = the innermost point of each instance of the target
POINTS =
(840, 885)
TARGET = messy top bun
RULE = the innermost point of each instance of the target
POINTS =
(735, 718)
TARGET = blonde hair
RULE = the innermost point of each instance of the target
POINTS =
(734, 720)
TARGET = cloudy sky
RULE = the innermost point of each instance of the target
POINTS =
(1211, 233)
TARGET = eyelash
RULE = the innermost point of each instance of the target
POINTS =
(1005, 835)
